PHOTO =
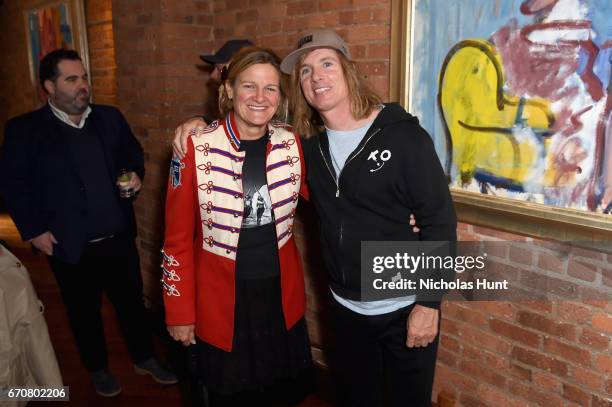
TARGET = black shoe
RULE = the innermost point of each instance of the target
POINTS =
(105, 383)
(158, 373)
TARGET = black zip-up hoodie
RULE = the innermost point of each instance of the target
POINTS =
(392, 173)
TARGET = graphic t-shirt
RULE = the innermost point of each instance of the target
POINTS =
(257, 255)
(257, 202)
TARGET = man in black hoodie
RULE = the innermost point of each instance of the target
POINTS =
(370, 166)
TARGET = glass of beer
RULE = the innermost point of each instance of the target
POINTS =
(125, 188)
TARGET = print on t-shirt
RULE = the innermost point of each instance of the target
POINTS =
(257, 207)
(257, 202)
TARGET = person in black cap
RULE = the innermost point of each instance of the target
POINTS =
(220, 59)
(219, 62)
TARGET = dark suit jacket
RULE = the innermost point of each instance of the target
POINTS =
(41, 188)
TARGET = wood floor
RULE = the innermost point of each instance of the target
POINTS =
(137, 390)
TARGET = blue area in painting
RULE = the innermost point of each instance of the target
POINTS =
(34, 40)
(602, 25)
(64, 26)
(600, 14)
(603, 66)
(583, 58)
(439, 24)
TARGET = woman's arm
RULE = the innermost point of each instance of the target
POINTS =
(178, 253)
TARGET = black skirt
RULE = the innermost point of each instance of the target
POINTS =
(263, 351)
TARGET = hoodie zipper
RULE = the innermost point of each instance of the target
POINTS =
(337, 181)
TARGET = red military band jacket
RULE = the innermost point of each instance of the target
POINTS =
(204, 210)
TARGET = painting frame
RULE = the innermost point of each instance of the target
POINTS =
(75, 14)
(581, 228)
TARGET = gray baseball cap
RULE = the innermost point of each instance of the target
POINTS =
(311, 40)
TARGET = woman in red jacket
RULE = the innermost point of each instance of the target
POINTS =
(232, 278)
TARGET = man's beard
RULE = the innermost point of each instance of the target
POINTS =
(82, 96)
(78, 104)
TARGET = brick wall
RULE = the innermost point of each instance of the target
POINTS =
(365, 25)
(545, 353)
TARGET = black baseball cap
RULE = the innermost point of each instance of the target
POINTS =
(226, 52)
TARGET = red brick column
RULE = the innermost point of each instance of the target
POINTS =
(159, 85)
(99, 16)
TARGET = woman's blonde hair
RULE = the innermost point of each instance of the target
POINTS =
(241, 61)
(307, 121)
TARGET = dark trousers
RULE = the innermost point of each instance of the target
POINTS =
(111, 266)
(372, 356)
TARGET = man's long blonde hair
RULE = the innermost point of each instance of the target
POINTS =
(307, 121)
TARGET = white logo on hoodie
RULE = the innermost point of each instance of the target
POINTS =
(384, 156)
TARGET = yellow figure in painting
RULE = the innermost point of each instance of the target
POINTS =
(492, 137)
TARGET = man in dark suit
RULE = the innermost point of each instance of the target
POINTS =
(60, 166)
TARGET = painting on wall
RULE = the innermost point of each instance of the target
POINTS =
(517, 95)
(51, 25)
